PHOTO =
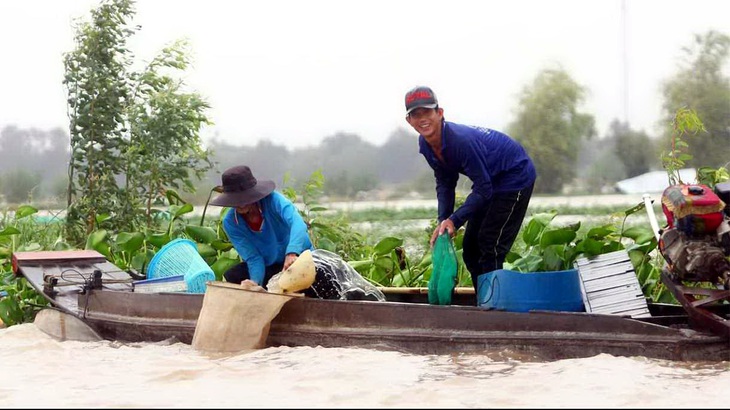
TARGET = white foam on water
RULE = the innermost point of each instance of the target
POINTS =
(38, 371)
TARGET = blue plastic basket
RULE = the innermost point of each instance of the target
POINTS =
(181, 257)
(524, 291)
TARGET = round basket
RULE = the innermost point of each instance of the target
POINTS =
(181, 257)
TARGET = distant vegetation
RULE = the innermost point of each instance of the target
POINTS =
(34, 163)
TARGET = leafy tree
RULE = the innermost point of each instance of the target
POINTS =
(349, 183)
(425, 183)
(399, 160)
(165, 122)
(18, 184)
(550, 127)
(42, 153)
(134, 135)
(344, 158)
(268, 160)
(345, 151)
(603, 172)
(633, 149)
(684, 124)
(97, 84)
(701, 86)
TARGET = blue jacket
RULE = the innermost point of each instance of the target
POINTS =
(493, 161)
(283, 231)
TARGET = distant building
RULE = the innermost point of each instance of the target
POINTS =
(653, 182)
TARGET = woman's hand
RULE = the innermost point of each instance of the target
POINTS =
(289, 259)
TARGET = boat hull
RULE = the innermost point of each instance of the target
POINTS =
(408, 327)
(115, 312)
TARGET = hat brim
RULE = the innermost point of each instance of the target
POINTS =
(241, 198)
(422, 106)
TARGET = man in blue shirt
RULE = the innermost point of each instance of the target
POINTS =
(500, 169)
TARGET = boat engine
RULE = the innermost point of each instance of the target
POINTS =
(696, 242)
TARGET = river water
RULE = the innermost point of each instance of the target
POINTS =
(38, 371)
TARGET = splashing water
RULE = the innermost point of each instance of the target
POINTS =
(352, 286)
(38, 371)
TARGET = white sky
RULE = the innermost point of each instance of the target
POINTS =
(294, 72)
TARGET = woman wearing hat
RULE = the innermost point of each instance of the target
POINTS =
(264, 227)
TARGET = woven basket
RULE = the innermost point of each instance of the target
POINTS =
(181, 257)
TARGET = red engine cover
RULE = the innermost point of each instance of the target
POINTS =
(694, 209)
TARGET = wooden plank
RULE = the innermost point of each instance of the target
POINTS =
(57, 256)
(47, 257)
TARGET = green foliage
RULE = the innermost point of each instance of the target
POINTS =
(165, 122)
(96, 80)
(20, 302)
(550, 127)
(603, 172)
(17, 185)
(380, 214)
(711, 176)
(685, 122)
(346, 184)
(42, 154)
(20, 232)
(388, 265)
(544, 247)
(633, 149)
(134, 135)
(330, 233)
(702, 83)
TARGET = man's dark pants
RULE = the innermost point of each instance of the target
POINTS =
(492, 230)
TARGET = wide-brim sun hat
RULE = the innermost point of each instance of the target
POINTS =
(241, 188)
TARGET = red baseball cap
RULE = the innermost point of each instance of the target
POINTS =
(420, 96)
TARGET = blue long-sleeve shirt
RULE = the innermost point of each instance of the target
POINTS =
(493, 161)
(283, 231)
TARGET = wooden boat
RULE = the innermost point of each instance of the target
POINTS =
(86, 285)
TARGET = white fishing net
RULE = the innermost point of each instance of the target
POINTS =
(336, 279)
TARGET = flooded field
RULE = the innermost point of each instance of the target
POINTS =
(584, 201)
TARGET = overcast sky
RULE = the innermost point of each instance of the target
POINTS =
(294, 72)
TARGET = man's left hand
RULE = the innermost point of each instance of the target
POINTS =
(289, 259)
